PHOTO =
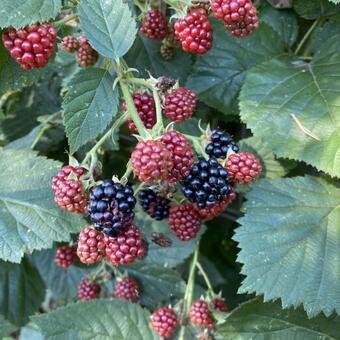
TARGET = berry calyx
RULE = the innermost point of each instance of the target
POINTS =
(111, 207)
(86, 56)
(65, 256)
(127, 289)
(181, 153)
(210, 212)
(88, 290)
(180, 104)
(70, 43)
(200, 315)
(184, 221)
(154, 205)
(164, 322)
(243, 167)
(91, 246)
(126, 247)
(194, 32)
(207, 183)
(151, 161)
(220, 143)
(154, 25)
(31, 46)
(239, 16)
(146, 109)
(220, 305)
(70, 193)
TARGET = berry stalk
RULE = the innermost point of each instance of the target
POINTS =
(58, 24)
(206, 278)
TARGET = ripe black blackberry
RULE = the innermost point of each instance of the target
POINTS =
(220, 144)
(207, 183)
(111, 207)
(155, 205)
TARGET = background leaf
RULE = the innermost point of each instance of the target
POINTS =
(217, 77)
(105, 319)
(90, 104)
(313, 9)
(29, 217)
(258, 320)
(6, 327)
(18, 13)
(21, 291)
(290, 243)
(108, 25)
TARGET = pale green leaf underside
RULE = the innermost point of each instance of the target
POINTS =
(90, 104)
(29, 217)
(217, 77)
(255, 320)
(290, 243)
(108, 25)
(99, 320)
(19, 13)
(275, 90)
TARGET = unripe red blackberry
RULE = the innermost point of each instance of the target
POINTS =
(184, 221)
(154, 204)
(154, 25)
(151, 161)
(239, 16)
(88, 290)
(194, 31)
(204, 4)
(180, 104)
(31, 46)
(126, 247)
(243, 167)
(70, 193)
(181, 153)
(200, 315)
(127, 289)
(91, 246)
(210, 212)
(164, 322)
(146, 109)
(70, 43)
(65, 256)
(220, 305)
(86, 56)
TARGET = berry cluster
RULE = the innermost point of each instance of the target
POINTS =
(154, 25)
(164, 322)
(31, 46)
(65, 256)
(154, 205)
(88, 290)
(239, 16)
(111, 207)
(200, 315)
(220, 144)
(127, 289)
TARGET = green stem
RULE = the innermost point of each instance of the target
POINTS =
(206, 278)
(307, 35)
(196, 141)
(131, 109)
(40, 135)
(159, 124)
(142, 82)
(189, 292)
(63, 21)
(127, 172)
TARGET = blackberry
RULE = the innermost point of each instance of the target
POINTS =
(199, 315)
(154, 204)
(207, 183)
(154, 25)
(164, 322)
(127, 289)
(70, 43)
(65, 256)
(220, 144)
(220, 305)
(88, 290)
(111, 207)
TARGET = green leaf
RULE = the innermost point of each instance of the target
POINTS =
(275, 90)
(145, 56)
(18, 13)
(270, 165)
(30, 332)
(267, 321)
(6, 327)
(283, 22)
(21, 291)
(335, 1)
(12, 76)
(290, 243)
(27, 141)
(217, 77)
(90, 104)
(101, 319)
(158, 283)
(313, 9)
(62, 283)
(327, 31)
(29, 217)
(164, 256)
(108, 25)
